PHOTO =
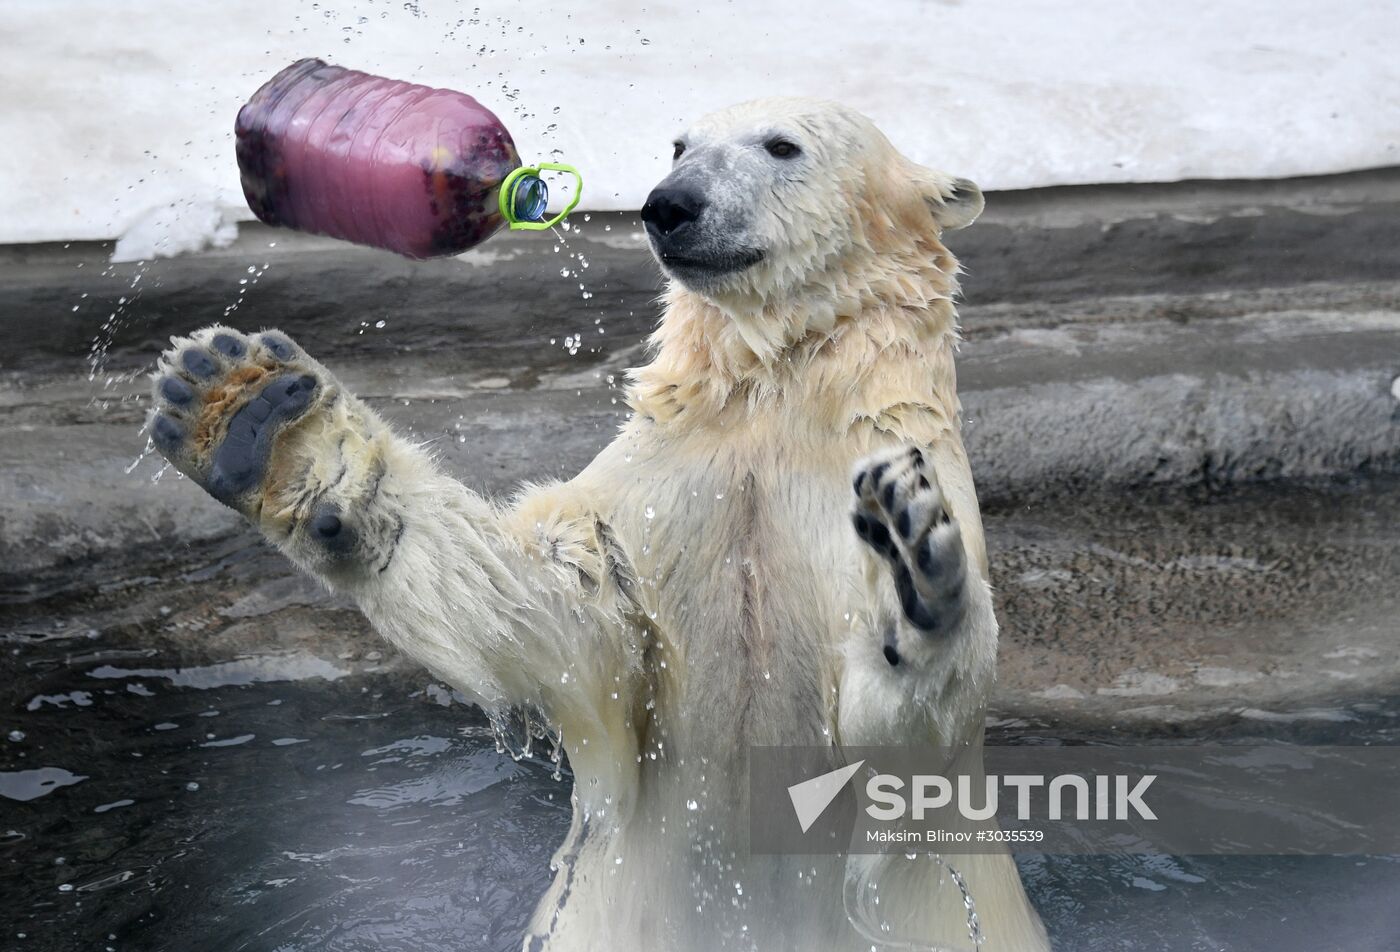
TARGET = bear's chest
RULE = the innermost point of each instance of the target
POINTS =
(748, 564)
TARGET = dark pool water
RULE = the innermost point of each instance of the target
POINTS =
(277, 804)
(202, 809)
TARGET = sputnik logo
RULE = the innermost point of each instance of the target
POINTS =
(810, 798)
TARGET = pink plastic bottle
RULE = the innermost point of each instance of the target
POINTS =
(416, 170)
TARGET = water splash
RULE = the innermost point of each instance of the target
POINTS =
(149, 449)
(882, 923)
(516, 731)
(117, 318)
(244, 284)
(974, 926)
(572, 270)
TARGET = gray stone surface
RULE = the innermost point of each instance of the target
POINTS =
(1180, 404)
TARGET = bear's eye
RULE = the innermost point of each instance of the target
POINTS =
(680, 147)
(782, 149)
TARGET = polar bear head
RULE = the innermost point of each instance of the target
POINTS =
(770, 198)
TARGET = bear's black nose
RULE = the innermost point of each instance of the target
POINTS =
(670, 209)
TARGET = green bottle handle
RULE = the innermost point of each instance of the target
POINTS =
(512, 181)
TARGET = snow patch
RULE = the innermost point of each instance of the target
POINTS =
(1324, 715)
(1163, 714)
(1060, 692)
(1224, 677)
(175, 229)
(1353, 652)
(128, 107)
(1134, 683)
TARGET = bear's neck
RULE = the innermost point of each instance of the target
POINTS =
(871, 337)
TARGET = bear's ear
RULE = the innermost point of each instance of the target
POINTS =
(955, 203)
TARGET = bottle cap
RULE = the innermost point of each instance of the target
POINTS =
(525, 196)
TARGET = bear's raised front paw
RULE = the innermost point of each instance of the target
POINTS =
(221, 401)
(901, 515)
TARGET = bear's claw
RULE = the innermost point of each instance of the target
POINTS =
(901, 515)
(221, 399)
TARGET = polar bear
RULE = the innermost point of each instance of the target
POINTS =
(781, 547)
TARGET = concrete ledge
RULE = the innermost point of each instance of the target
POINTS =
(1227, 353)
(1291, 394)
(1299, 394)
(1044, 247)
(1267, 373)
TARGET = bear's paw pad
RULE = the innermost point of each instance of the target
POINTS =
(901, 515)
(221, 400)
